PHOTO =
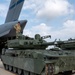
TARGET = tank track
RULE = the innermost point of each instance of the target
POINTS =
(19, 71)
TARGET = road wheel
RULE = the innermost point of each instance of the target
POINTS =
(6, 67)
(19, 71)
(26, 73)
(14, 69)
(10, 68)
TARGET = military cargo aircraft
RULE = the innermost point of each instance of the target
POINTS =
(7, 30)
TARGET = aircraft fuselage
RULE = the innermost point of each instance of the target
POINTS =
(7, 31)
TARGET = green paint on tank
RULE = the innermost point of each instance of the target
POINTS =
(26, 55)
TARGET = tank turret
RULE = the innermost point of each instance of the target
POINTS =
(66, 45)
(25, 42)
(38, 42)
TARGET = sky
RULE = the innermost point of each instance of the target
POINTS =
(45, 17)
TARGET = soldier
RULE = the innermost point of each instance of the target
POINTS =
(18, 29)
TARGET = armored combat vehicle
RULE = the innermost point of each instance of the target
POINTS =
(28, 56)
(66, 45)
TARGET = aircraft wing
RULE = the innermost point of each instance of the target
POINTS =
(4, 33)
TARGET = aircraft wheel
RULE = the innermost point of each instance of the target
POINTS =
(10, 68)
(26, 73)
(14, 69)
(19, 71)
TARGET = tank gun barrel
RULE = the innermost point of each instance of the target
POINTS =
(68, 44)
(48, 43)
(44, 37)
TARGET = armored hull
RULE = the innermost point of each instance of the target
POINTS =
(28, 56)
(41, 62)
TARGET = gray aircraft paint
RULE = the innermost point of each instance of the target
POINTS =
(14, 10)
(9, 27)
(7, 30)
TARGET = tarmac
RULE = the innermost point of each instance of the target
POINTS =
(3, 71)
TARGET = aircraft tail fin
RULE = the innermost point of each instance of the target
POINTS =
(14, 10)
